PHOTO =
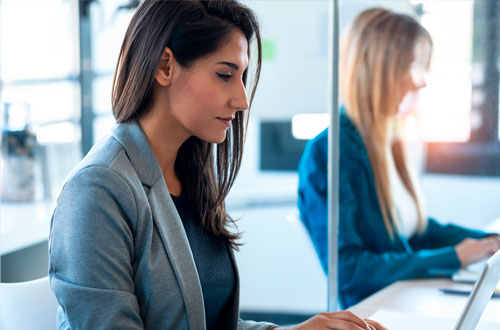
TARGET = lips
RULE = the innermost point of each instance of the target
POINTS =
(226, 120)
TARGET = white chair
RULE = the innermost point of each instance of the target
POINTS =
(27, 305)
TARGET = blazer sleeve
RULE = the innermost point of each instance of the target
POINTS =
(437, 235)
(91, 252)
(365, 269)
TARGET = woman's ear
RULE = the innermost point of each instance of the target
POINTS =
(165, 69)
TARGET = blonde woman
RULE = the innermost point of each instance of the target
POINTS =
(384, 233)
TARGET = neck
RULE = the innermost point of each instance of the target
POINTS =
(165, 138)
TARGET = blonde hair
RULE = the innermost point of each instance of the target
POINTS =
(376, 51)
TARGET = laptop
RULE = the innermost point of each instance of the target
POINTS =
(469, 318)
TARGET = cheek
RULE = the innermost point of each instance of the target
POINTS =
(202, 92)
(202, 103)
(411, 86)
(406, 86)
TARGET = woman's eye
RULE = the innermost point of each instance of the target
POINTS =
(224, 77)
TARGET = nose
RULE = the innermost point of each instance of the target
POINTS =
(239, 100)
(421, 84)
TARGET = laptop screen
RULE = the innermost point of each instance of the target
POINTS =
(481, 294)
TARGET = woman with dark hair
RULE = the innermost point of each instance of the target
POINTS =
(384, 233)
(140, 237)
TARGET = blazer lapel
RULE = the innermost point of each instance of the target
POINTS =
(166, 219)
(236, 301)
(173, 235)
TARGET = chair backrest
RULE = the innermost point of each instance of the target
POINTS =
(27, 305)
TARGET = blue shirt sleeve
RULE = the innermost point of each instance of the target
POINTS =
(438, 235)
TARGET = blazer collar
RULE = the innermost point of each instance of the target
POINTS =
(131, 136)
(166, 218)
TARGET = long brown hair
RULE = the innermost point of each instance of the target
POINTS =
(376, 51)
(191, 29)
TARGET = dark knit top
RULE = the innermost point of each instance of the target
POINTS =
(215, 268)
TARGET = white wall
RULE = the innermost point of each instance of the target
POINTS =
(465, 200)
(278, 267)
(294, 79)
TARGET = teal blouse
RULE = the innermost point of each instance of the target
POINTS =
(369, 259)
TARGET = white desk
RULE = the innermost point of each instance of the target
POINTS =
(24, 224)
(423, 297)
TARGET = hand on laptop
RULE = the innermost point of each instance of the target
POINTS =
(375, 325)
(343, 320)
(471, 250)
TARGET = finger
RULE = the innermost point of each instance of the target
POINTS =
(375, 324)
(488, 246)
(493, 245)
(496, 238)
(347, 316)
(339, 324)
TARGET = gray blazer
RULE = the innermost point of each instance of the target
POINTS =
(119, 255)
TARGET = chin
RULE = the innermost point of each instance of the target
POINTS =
(219, 138)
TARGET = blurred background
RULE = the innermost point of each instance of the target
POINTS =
(57, 59)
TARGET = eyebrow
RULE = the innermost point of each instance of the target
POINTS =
(230, 64)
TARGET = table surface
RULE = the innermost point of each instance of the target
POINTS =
(424, 297)
(24, 224)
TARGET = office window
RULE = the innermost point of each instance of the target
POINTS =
(459, 108)
(109, 21)
(447, 98)
(39, 76)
